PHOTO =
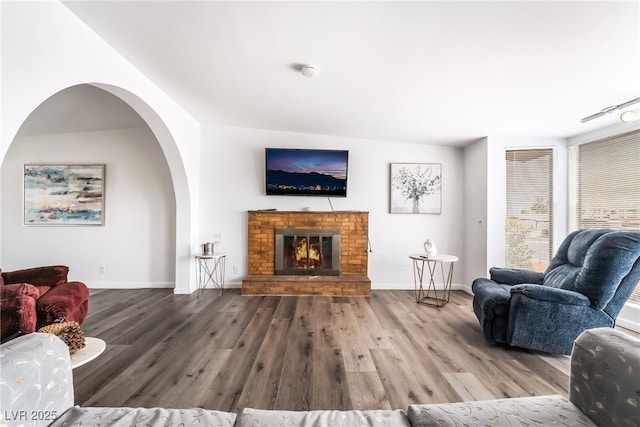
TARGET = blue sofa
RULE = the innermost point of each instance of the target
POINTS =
(585, 286)
(36, 389)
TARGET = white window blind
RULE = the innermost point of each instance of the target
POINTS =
(528, 234)
(608, 185)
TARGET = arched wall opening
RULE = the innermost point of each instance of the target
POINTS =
(144, 170)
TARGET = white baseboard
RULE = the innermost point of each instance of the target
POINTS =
(233, 285)
(130, 285)
(629, 317)
(411, 287)
(238, 285)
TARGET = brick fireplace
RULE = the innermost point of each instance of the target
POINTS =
(349, 259)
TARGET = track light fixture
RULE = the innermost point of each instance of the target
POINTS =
(611, 109)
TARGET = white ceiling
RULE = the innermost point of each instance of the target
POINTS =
(422, 71)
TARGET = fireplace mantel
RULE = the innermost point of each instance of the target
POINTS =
(354, 231)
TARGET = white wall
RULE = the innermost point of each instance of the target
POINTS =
(232, 182)
(475, 207)
(136, 245)
(45, 49)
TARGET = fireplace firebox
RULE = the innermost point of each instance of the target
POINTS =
(307, 252)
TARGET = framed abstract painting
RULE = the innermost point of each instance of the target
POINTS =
(64, 194)
(416, 188)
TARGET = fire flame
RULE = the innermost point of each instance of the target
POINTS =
(306, 252)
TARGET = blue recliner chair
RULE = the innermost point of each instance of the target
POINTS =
(584, 287)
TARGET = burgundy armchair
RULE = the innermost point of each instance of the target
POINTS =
(36, 297)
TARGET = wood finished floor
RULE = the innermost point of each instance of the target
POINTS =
(228, 352)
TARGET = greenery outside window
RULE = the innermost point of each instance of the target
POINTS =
(529, 225)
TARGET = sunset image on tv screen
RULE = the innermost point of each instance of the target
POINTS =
(306, 172)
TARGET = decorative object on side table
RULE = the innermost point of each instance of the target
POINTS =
(209, 248)
(416, 188)
(82, 350)
(430, 248)
(69, 332)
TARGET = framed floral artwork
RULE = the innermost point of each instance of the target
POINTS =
(416, 188)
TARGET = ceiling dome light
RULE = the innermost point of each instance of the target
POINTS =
(308, 70)
(630, 115)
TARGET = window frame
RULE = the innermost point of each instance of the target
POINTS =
(549, 154)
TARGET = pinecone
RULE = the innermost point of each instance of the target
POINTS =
(68, 331)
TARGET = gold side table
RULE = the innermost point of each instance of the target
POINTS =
(431, 295)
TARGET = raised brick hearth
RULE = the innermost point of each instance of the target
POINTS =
(354, 232)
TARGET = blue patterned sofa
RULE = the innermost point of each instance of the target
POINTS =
(36, 389)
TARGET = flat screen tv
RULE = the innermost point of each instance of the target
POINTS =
(306, 172)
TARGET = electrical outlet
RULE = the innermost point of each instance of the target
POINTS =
(235, 269)
(101, 269)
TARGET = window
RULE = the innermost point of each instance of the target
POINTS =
(529, 224)
(606, 192)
